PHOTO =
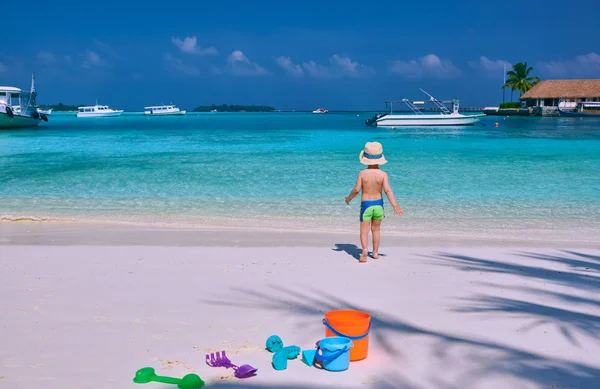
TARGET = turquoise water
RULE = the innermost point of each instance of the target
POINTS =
(529, 177)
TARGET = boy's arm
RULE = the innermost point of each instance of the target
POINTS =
(390, 195)
(356, 190)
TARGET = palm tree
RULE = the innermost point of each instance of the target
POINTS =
(519, 79)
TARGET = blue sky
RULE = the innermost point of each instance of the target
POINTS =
(291, 55)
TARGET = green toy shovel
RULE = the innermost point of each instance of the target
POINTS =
(147, 374)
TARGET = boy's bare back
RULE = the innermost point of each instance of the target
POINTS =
(373, 181)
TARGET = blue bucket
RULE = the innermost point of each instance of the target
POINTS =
(334, 353)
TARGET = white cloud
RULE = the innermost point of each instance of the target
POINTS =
(315, 70)
(587, 65)
(51, 58)
(240, 65)
(108, 49)
(292, 68)
(189, 45)
(428, 66)
(178, 66)
(3, 68)
(348, 67)
(91, 59)
(46, 56)
(339, 66)
(492, 65)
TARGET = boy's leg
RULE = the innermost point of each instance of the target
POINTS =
(375, 230)
(364, 239)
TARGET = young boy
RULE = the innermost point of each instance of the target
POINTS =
(372, 181)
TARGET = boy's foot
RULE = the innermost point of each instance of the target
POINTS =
(375, 255)
(363, 256)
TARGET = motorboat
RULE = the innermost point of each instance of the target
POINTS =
(18, 108)
(97, 111)
(163, 110)
(581, 109)
(445, 116)
(45, 111)
(320, 110)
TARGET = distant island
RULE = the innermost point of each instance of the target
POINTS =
(60, 107)
(234, 108)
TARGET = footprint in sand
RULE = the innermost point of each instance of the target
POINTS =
(250, 346)
(220, 378)
(170, 364)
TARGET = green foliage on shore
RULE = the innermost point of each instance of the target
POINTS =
(519, 78)
(234, 108)
(510, 104)
(60, 107)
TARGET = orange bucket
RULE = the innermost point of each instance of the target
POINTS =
(354, 325)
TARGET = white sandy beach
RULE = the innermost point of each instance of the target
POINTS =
(85, 307)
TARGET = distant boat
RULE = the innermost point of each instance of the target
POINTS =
(17, 108)
(45, 111)
(491, 110)
(163, 110)
(582, 109)
(418, 119)
(97, 111)
(320, 110)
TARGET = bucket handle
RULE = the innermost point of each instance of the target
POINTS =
(336, 354)
(346, 336)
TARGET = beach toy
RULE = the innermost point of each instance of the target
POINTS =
(279, 361)
(335, 354)
(274, 343)
(308, 357)
(281, 357)
(354, 325)
(147, 374)
(282, 354)
(221, 360)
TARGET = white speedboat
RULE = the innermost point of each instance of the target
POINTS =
(163, 110)
(320, 110)
(45, 111)
(444, 117)
(18, 108)
(581, 109)
(98, 111)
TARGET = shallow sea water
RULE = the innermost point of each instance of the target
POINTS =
(527, 178)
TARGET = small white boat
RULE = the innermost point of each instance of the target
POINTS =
(444, 117)
(17, 108)
(163, 110)
(45, 111)
(320, 110)
(581, 109)
(97, 111)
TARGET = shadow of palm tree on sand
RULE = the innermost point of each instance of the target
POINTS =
(489, 358)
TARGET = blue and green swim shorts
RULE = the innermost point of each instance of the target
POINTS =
(371, 210)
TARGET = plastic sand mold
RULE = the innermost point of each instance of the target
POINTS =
(189, 381)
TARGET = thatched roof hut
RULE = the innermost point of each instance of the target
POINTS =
(564, 89)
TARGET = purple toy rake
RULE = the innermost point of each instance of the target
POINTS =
(220, 360)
